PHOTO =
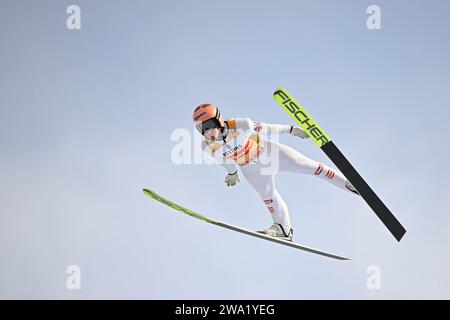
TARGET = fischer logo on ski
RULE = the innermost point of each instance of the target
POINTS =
(301, 117)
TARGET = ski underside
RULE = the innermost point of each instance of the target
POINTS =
(191, 213)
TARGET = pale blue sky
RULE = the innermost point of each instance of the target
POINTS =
(85, 124)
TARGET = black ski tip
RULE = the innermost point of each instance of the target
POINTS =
(399, 236)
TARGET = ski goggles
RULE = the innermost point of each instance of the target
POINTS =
(209, 124)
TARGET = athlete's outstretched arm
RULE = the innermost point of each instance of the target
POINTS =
(270, 128)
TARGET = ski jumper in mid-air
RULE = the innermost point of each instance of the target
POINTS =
(239, 143)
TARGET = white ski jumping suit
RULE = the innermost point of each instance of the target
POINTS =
(260, 159)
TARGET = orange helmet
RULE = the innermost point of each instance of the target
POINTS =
(207, 116)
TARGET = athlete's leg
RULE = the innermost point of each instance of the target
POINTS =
(290, 160)
(265, 185)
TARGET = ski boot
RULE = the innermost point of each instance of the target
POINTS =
(350, 187)
(277, 231)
